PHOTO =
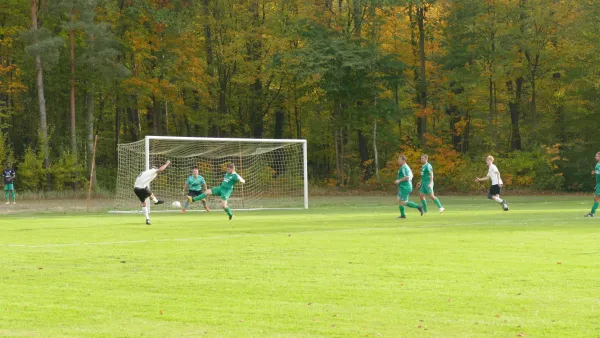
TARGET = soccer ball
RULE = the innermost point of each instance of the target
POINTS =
(176, 205)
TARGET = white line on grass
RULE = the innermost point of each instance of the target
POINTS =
(416, 227)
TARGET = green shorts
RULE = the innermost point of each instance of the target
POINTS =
(425, 190)
(9, 187)
(225, 194)
(597, 192)
(404, 193)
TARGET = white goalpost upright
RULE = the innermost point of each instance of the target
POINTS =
(275, 171)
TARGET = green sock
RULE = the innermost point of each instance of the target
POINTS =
(14, 196)
(199, 197)
(412, 204)
(228, 211)
(594, 208)
(424, 202)
(6, 195)
(438, 203)
(401, 207)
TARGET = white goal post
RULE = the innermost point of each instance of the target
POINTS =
(275, 171)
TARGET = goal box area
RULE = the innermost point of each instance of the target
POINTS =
(275, 171)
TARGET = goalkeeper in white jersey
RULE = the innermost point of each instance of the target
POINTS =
(142, 190)
(494, 175)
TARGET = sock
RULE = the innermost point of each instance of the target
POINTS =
(6, 195)
(199, 197)
(424, 202)
(438, 203)
(13, 195)
(498, 199)
(228, 211)
(187, 204)
(154, 199)
(412, 204)
(401, 207)
(594, 208)
(145, 211)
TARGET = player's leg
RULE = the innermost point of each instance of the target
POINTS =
(401, 205)
(14, 197)
(225, 207)
(146, 212)
(437, 202)
(208, 192)
(192, 194)
(204, 203)
(596, 202)
(423, 200)
(6, 194)
(411, 204)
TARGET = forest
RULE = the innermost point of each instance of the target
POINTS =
(361, 80)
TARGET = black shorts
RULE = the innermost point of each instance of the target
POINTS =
(495, 190)
(194, 193)
(142, 193)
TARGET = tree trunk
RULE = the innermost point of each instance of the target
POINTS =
(40, 90)
(338, 168)
(72, 83)
(364, 156)
(422, 84)
(118, 110)
(90, 130)
(514, 106)
(279, 123)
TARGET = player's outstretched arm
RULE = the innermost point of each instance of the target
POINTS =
(164, 166)
(240, 178)
(482, 179)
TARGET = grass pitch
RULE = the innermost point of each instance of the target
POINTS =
(345, 267)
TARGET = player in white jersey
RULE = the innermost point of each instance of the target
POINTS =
(494, 175)
(142, 190)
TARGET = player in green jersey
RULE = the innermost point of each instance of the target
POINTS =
(194, 185)
(404, 183)
(9, 175)
(596, 172)
(224, 190)
(426, 185)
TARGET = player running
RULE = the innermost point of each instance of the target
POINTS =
(194, 183)
(404, 183)
(426, 185)
(142, 190)
(224, 190)
(596, 172)
(494, 175)
(9, 175)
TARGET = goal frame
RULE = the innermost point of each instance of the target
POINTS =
(148, 138)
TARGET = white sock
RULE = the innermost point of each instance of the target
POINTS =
(498, 199)
(154, 199)
(145, 211)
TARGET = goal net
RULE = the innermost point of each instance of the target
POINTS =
(275, 171)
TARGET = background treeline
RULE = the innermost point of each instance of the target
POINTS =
(362, 80)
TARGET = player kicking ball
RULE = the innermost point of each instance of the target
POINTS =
(142, 189)
(195, 183)
(426, 185)
(596, 172)
(404, 183)
(494, 175)
(224, 190)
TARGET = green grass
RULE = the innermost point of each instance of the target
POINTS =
(345, 267)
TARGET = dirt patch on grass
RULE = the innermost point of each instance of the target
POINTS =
(55, 206)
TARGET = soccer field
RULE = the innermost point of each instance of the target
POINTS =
(345, 267)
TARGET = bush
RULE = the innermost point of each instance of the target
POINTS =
(31, 174)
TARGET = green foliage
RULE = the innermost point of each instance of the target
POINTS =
(325, 71)
(66, 171)
(31, 173)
